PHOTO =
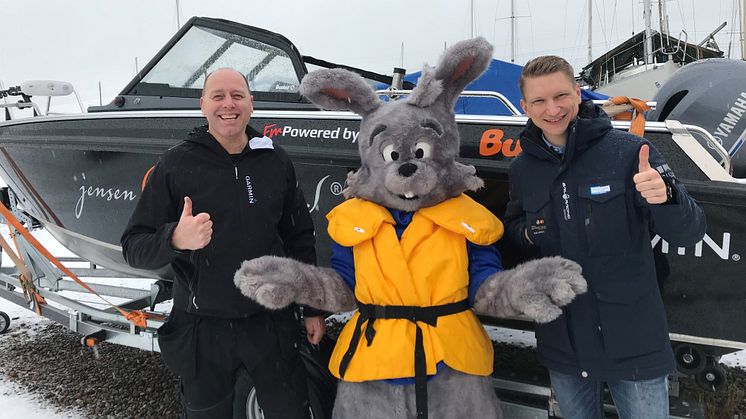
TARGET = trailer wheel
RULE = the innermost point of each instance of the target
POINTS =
(4, 322)
(246, 405)
(712, 377)
(690, 359)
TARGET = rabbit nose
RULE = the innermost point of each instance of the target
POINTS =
(407, 169)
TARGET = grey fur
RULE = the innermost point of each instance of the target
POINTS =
(451, 394)
(536, 289)
(428, 89)
(338, 89)
(275, 282)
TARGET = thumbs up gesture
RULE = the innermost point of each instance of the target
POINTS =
(193, 231)
(648, 181)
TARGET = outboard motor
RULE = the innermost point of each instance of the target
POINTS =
(709, 93)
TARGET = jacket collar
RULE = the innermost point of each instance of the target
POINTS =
(589, 126)
(356, 220)
(200, 135)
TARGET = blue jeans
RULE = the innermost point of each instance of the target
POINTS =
(581, 398)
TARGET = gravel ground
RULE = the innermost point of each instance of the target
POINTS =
(48, 360)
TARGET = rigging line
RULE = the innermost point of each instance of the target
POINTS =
(613, 21)
(603, 22)
(740, 25)
(494, 24)
(531, 26)
(579, 34)
(681, 15)
(564, 30)
(694, 19)
(733, 25)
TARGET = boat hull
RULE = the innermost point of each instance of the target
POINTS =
(81, 177)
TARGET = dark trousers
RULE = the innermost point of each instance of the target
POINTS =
(207, 353)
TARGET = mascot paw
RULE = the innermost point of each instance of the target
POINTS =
(268, 280)
(550, 283)
(565, 279)
(536, 289)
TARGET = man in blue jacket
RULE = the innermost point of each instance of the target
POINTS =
(593, 194)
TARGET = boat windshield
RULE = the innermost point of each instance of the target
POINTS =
(202, 50)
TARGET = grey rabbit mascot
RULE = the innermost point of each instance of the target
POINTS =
(413, 256)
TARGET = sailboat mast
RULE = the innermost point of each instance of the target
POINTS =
(647, 9)
(590, 31)
(662, 17)
(178, 16)
(512, 31)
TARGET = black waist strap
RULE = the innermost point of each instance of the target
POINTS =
(429, 315)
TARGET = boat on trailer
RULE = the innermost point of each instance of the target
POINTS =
(79, 176)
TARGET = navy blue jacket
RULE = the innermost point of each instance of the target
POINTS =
(583, 205)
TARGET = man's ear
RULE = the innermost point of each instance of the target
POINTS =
(523, 106)
(339, 89)
(201, 102)
(577, 91)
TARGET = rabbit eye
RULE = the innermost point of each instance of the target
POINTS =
(423, 150)
(389, 154)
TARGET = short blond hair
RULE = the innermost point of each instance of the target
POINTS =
(544, 65)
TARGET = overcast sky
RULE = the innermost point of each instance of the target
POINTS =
(90, 41)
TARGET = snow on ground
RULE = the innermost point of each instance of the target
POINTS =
(15, 403)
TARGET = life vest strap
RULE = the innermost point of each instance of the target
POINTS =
(429, 315)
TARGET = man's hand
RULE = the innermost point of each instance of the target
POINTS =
(315, 329)
(648, 181)
(193, 232)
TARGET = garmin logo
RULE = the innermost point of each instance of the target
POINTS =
(250, 190)
(721, 250)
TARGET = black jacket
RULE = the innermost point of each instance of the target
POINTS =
(583, 206)
(256, 207)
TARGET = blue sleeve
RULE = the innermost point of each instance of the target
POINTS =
(343, 262)
(483, 262)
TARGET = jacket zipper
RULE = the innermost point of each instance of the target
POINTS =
(589, 231)
(241, 205)
(195, 259)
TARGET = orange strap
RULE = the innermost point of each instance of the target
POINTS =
(637, 126)
(137, 317)
(30, 292)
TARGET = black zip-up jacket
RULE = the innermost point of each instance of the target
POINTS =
(255, 204)
(583, 205)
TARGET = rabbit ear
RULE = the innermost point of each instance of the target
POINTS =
(462, 63)
(339, 89)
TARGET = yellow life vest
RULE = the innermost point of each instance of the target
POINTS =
(427, 267)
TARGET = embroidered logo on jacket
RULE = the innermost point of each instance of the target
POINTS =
(566, 198)
(538, 227)
(600, 190)
(250, 190)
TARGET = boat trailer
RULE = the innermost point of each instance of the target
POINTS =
(38, 284)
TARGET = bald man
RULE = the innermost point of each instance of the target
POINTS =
(224, 195)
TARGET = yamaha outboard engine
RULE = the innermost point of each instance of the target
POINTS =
(709, 93)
